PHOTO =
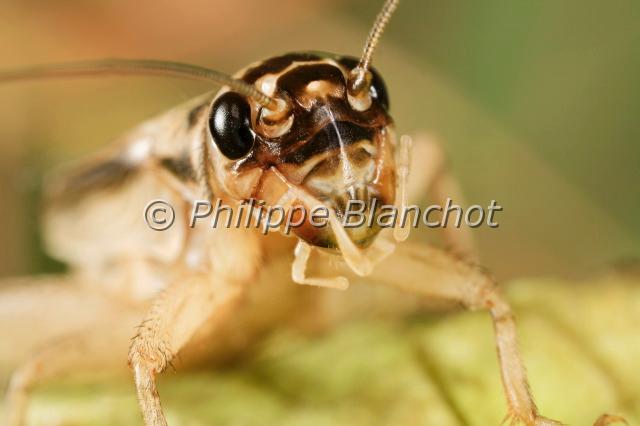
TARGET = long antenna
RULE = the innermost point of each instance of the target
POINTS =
(140, 67)
(360, 78)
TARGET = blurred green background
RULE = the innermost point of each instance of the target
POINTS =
(536, 103)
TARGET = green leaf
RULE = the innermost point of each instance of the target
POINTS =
(580, 341)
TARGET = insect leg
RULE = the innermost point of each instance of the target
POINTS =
(299, 266)
(378, 251)
(433, 273)
(84, 351)
(608, 419)
(172, 320)
(78, 328)
(429, 176)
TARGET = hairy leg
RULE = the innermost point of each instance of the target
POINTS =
(172, 320)
(432, 273)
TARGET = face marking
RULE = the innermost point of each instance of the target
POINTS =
(321, 144)
(334, 136)
(278, 129)
(318, 86)
(294, 82)
(267, 84)
(276, 65)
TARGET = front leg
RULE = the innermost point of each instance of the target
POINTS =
(175, 316)
(434, 274)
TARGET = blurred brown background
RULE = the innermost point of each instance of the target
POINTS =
(536, 103)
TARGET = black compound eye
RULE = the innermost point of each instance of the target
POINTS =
(230, 125)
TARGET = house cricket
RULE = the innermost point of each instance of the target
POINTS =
(296, 130)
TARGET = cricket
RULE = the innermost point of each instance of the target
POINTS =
(302, 131)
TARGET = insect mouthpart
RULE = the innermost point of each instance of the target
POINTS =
(346, 167)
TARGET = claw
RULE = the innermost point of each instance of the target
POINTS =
(543, 421)
(608, 419)
(512, 420)
(603, 420)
